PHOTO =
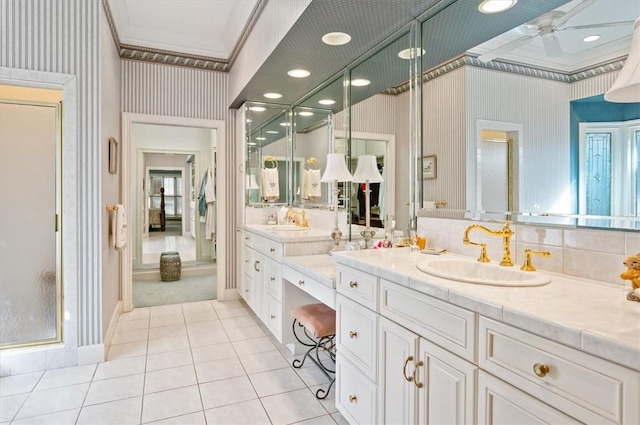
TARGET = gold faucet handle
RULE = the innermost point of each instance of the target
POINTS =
(484, 258)
(528, 265)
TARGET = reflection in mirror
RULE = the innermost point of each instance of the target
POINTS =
(267, 152)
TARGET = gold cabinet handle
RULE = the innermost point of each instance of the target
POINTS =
(301, 282)
(404, 369)
(353, 334)
(255, 266)
(415, 380)
(353, 284)
(272, 250)
(352, 399)
(541, 369)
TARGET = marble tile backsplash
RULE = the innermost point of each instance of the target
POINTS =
(318, 218)
(586, 253)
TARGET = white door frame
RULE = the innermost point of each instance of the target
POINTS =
(128, 153)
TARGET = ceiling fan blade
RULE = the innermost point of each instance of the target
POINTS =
(571, 13)
(512, 45)
(603, 25)
(551, 45)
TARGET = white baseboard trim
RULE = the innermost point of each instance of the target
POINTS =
(90, 354)
(230, 294)
(112, 327)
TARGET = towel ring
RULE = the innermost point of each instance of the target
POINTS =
(270, 160)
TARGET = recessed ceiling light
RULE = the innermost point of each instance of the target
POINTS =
(305, 113)
(257, 108)
(326, 102)
(261, 138)
(252, 144)
(298, 73)
(590, 38)
(284, 124)
(336, 38)
(496, 6)
(360, 82)
(411, 53)
(249, 121)
(272, 132)
(272, 95)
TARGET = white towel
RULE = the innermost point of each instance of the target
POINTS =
(119, 227)
(313, 188)
(270, 187)
(429, 205)
(210, 197)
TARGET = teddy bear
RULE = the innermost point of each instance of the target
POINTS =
(633, 274)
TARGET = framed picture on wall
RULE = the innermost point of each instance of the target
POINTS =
(429, 166)
(113, 155)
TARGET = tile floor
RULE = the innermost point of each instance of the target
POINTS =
(207, 362)
(158, 242)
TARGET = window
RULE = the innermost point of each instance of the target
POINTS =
(171, 181)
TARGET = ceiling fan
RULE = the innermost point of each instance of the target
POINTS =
(545, 27)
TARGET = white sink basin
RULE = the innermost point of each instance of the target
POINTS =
(482, 273)
(287, 228)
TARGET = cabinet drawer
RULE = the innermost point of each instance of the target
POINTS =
(449, 326)
(322, 293)
(273, 279)
(357, 335)
(355, 394)
(585, 387)
(359, 286)
(273, 249)
(274, 317)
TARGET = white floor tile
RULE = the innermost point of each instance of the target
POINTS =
(168, 379)
(204, 327)
(135, 314)
(311, 374)
(329, 403)
(53, 400)
(132, 325)
(340, 420)
(167, 404)
(165, 310)
(166, 320)
(10, 405)
(190, 419)
(121, 412)
(225, 305)
(115, 389)
(226, 391)
(67, 417)
(322, 420)
(123, 351)
(163, 345)
(199, 316)
(197, 306)
(253, 346)
(219, 369)
(276, 382)
(123, 367)
(291, 407)
(238, 322)
(261, 362)
(18, 384)
(209, 353)
(248, 412)
(66, 376)
(135, 335)
(246, 332)
(169, 359)
(209, 338)
(167, 331)
(232, 312)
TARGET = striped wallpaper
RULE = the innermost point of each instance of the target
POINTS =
(62, 36)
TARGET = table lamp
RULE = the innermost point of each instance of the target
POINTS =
(367, 172)
(335, 172)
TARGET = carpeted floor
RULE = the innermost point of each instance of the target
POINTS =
(148, 293)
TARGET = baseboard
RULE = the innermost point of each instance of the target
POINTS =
(230, 294)
(91, 354)
(112, 327)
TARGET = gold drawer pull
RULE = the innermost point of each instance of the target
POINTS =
(353, 284)
(415, 380)
(272, 250)
(301, 282)
(404, 369)
(353, 334)
(541, 369)
(352, 399)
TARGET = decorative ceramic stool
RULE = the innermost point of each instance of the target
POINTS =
(317, 324)
(170, 266)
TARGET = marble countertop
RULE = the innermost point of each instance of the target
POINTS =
(275, 232)
(320, 267)
(588, 315)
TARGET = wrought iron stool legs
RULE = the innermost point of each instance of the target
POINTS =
(326, 344)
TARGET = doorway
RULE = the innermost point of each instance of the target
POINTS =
(194, 143)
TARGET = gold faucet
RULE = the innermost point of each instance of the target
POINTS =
(506, 234)
(298, 217)
(527, 265)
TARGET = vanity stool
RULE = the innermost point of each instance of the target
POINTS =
(316, 324)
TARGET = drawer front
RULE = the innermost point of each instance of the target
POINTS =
(355, 394)
(273, 249)
(359, 286)
(588, 388)
(274, 317)
(357, 335)
(273, 279)
(449, 326)
(322, 293)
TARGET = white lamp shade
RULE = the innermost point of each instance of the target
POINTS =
(367, 170)
(251, 182)
(626, 88)
(336, 170)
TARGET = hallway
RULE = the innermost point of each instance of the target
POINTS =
(207, 362)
